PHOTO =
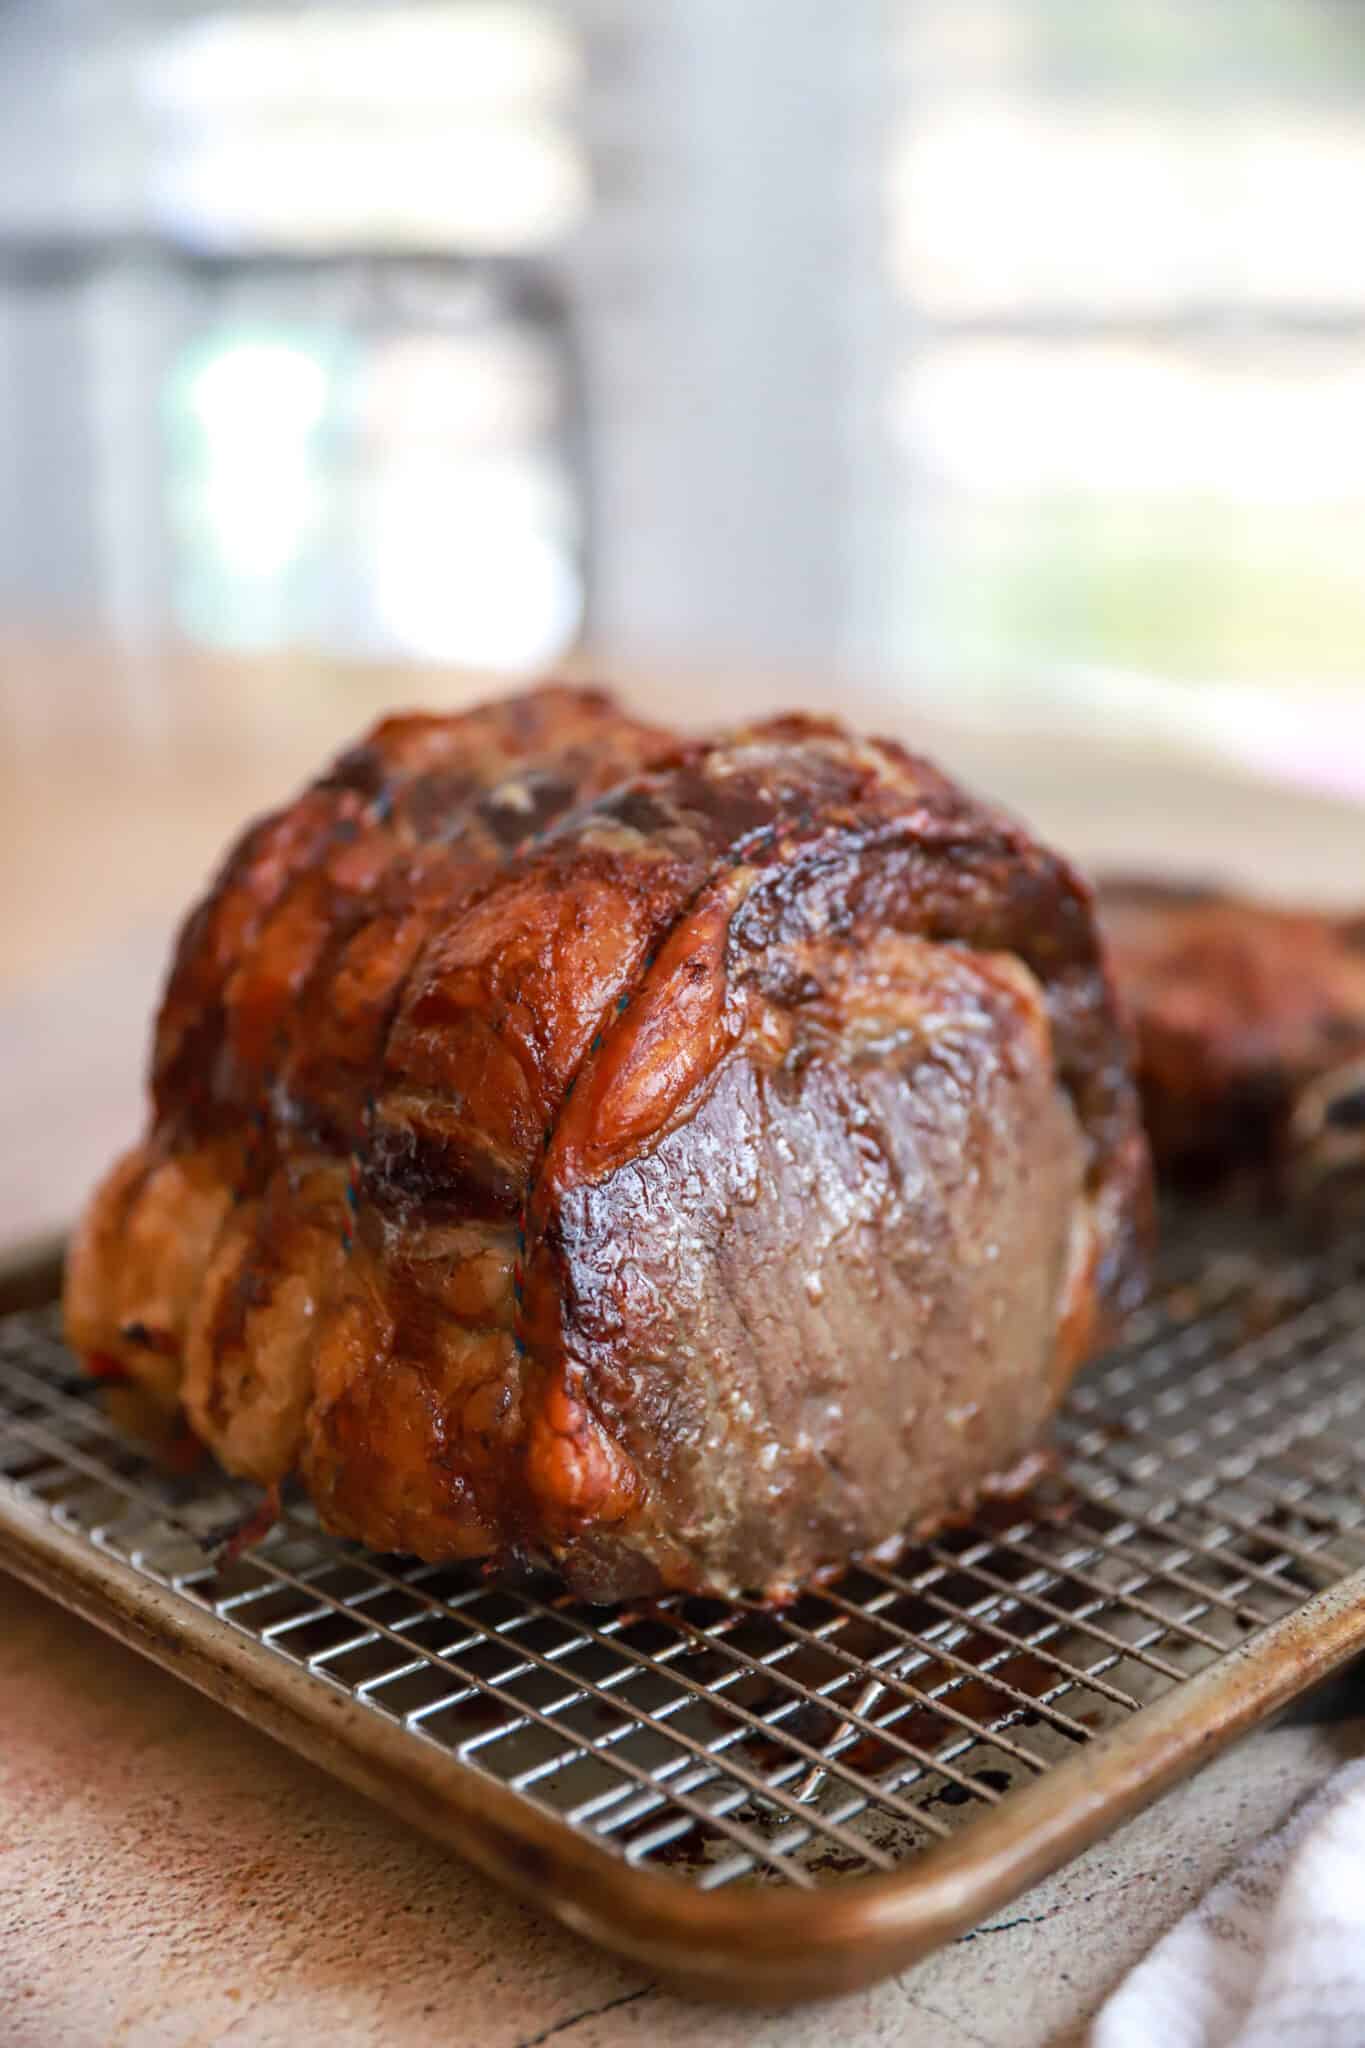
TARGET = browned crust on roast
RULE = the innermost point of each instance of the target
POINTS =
(281, 994)
(945, 870)
(431, 1015)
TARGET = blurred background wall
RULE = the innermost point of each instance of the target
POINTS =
(1009, 350)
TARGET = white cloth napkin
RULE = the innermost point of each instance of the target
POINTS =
(1275, 1955)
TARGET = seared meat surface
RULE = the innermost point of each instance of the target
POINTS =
(684, 1163)
(1250, 1024)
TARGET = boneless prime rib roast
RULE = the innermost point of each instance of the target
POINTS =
(684, 1163)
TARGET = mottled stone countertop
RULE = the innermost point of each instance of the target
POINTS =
(167, 1875)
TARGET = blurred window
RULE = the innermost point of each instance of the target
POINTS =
(285, 360)
(1126, 402)
(992, 341)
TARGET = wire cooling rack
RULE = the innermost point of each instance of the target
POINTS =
(782, 1803)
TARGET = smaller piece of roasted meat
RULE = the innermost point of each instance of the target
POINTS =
(1250, 1025)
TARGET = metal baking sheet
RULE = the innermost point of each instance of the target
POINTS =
(775, 1806)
